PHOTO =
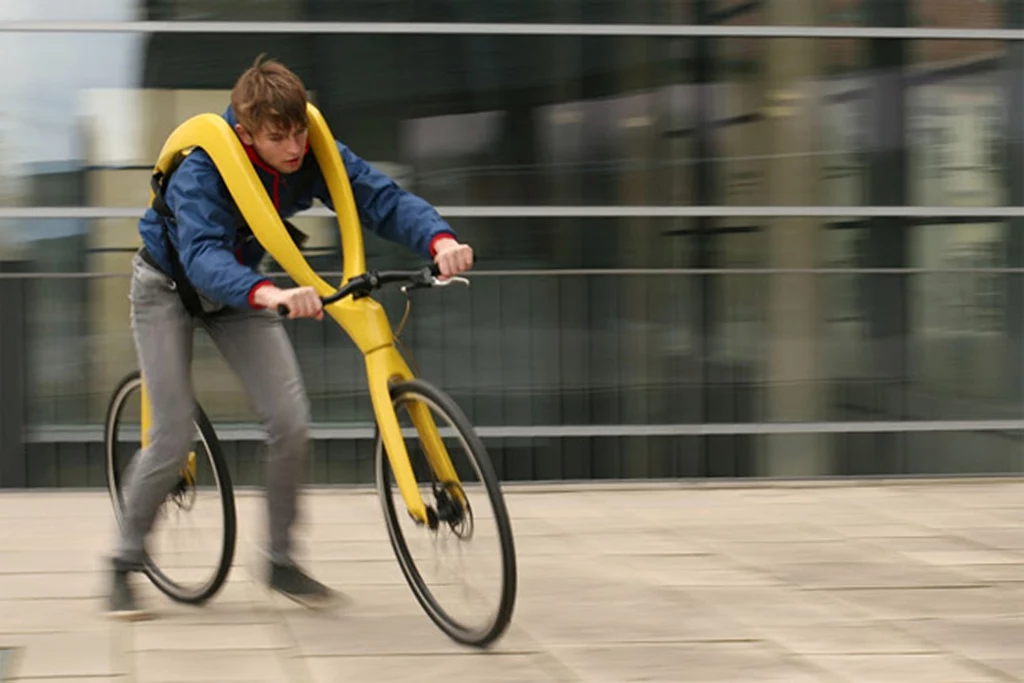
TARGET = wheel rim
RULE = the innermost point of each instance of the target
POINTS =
(185, 564)
(473, 529)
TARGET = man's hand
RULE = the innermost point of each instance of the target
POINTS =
(302, 302)
(451, 257)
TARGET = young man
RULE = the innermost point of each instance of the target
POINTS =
(198, 234)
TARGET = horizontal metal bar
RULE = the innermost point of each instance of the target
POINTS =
(97, 212)
(564, 272)
(504, 28)
(605, 272)
(245, 432)
(599, 272)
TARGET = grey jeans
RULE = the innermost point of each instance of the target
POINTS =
(255, 345)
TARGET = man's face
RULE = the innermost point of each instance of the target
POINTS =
(282, 150)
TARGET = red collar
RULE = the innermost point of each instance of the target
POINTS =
(255, 158)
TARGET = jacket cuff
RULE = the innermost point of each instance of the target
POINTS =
(255, 288)
(439, 236)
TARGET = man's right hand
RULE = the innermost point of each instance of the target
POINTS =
(302, 302)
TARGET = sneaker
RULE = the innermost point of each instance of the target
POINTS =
(293, 583)
(121, 603)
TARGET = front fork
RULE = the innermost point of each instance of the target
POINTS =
(385, 366)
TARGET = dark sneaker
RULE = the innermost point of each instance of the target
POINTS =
(121, 603)
(295, 584)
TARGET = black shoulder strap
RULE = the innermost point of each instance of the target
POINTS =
(158, 183)
(186, 292)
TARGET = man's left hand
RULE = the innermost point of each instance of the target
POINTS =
(451, 257)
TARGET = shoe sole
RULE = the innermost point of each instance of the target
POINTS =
(313, 603)
(129, 615)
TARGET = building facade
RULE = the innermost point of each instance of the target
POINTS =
(715, 238)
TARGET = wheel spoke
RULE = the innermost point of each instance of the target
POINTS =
(453, 581)
(176, 567)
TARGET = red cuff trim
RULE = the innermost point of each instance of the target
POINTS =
(437, 237)
(255, 288)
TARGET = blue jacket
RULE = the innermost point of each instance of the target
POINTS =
(221, 260)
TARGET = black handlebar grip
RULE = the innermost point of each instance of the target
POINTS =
(282, 309)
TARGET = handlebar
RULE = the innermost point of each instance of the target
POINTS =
(363, 285)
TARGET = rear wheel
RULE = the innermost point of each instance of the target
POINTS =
(469, 523)
(189, 564)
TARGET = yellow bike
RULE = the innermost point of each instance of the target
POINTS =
(431, 473)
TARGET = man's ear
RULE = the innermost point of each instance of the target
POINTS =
(243, 134)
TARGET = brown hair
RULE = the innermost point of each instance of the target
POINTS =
(269, 94)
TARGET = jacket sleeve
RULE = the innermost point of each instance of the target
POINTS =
(205, 234)
(387, 209)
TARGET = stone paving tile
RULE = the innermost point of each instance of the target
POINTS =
(506, 668)
(176, 637)
(63, 585)
(997, 538)
(847, 638)
(902, 668)
(49, 616)
(996, 638)
(803, 582)
(626, 620)
(885, 530)
(75, 679)
(932, 603)
(693, 663)
(995, 573)
(341, 633)
(964, 558)
(259, 666)
(70, 653)
(48, 561)
(772, 606)
(694, 570)
(1013, 667)
(850, 575)
(764, 555)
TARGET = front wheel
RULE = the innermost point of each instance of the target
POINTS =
(469, 523)
(189, 564)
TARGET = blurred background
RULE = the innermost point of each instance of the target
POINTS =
(701, 252)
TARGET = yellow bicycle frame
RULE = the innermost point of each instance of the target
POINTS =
(364, 320)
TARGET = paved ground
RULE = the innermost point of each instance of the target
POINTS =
(909, 582)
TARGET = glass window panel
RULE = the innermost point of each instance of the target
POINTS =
(594, 348)
(581, 346)
(575, 346)
(460, 118)
(69, 10)
(531, 120)
(455, 11)
(976, 14)
(957, 114)
(930, 13)
(954, 14)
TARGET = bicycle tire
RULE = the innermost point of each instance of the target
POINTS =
(133, 382)
(418, 390)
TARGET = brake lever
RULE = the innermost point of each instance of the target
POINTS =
(435, 282)
(438, 282)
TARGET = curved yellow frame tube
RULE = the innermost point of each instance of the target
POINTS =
(364, 320)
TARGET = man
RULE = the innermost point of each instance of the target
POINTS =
(194, 236)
